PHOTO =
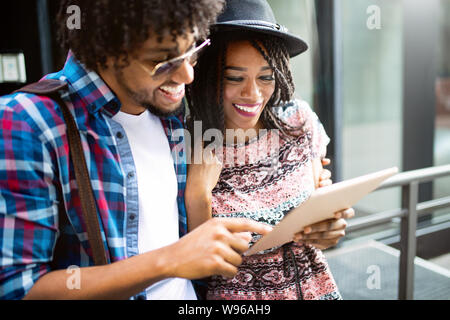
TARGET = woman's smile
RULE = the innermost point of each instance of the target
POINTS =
(248, 86)
(248, 110)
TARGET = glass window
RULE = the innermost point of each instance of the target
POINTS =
(298, 17)
(372, 93)
(371, 39)
(441, 186)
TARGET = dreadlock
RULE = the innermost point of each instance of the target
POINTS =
(114, 28)
(205, 94)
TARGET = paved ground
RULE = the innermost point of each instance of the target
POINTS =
(369, 271)
(443, 261)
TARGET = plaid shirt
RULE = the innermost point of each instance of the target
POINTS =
(37, 179)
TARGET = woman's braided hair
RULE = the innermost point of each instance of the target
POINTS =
(114, 28)
(205, 94)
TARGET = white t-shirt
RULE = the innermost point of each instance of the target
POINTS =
(157, 192)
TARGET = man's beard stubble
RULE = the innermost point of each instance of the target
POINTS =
(141, 99)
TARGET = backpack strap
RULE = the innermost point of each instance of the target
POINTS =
(51, 88)
(44, 87)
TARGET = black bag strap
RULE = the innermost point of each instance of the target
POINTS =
(51, 88)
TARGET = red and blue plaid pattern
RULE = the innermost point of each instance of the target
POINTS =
(37, 179)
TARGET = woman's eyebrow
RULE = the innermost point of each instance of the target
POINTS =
(235, 68)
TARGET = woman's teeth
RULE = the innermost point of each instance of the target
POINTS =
(247, 109)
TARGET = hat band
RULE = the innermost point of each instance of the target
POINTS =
(258, 23)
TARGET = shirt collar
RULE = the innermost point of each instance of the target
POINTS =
(90, 87)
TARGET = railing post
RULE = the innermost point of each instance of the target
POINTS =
(410, 194)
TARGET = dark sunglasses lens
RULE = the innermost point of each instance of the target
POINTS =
(171, 66)
(168, 67)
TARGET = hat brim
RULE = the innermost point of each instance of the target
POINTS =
(294, 44)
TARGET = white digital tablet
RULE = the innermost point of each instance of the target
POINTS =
(321, 205)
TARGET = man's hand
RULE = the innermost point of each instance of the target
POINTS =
(325, 234)
(213, 248)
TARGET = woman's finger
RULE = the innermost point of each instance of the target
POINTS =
(327, 235)
(327, 225)
(345, 214)
(323, 244)
(325, 183)
(326, 161)
(326, 174)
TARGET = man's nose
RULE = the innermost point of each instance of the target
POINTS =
(184, 74)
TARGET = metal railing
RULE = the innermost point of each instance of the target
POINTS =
(410, 209)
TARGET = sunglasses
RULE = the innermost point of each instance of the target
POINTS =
(169, 66)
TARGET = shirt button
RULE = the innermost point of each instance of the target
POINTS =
(132, 217)
(130, 175)
(119, 135)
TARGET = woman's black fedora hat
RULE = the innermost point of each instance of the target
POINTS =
(256, 16)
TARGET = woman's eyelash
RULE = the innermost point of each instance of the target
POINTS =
(267, 78)
(233, 78)
(237, 79)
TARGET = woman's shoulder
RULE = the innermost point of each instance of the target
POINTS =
(295, 113)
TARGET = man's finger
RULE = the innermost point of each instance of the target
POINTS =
(240, 241)
(228, 254)
(246, 236)
(245, 225)
(226, 269)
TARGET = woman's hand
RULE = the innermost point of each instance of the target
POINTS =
(325, 234)
(201, 179)
(325, 175)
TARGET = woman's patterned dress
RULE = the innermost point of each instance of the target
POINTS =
(263, 180)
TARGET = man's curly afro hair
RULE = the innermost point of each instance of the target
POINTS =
(115, 28)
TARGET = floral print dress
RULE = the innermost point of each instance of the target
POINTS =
(263, 179)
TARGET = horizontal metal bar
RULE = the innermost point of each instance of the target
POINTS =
(432, 205)
(386, 216)
(420, 175)
(395, 238)
(374, 219)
